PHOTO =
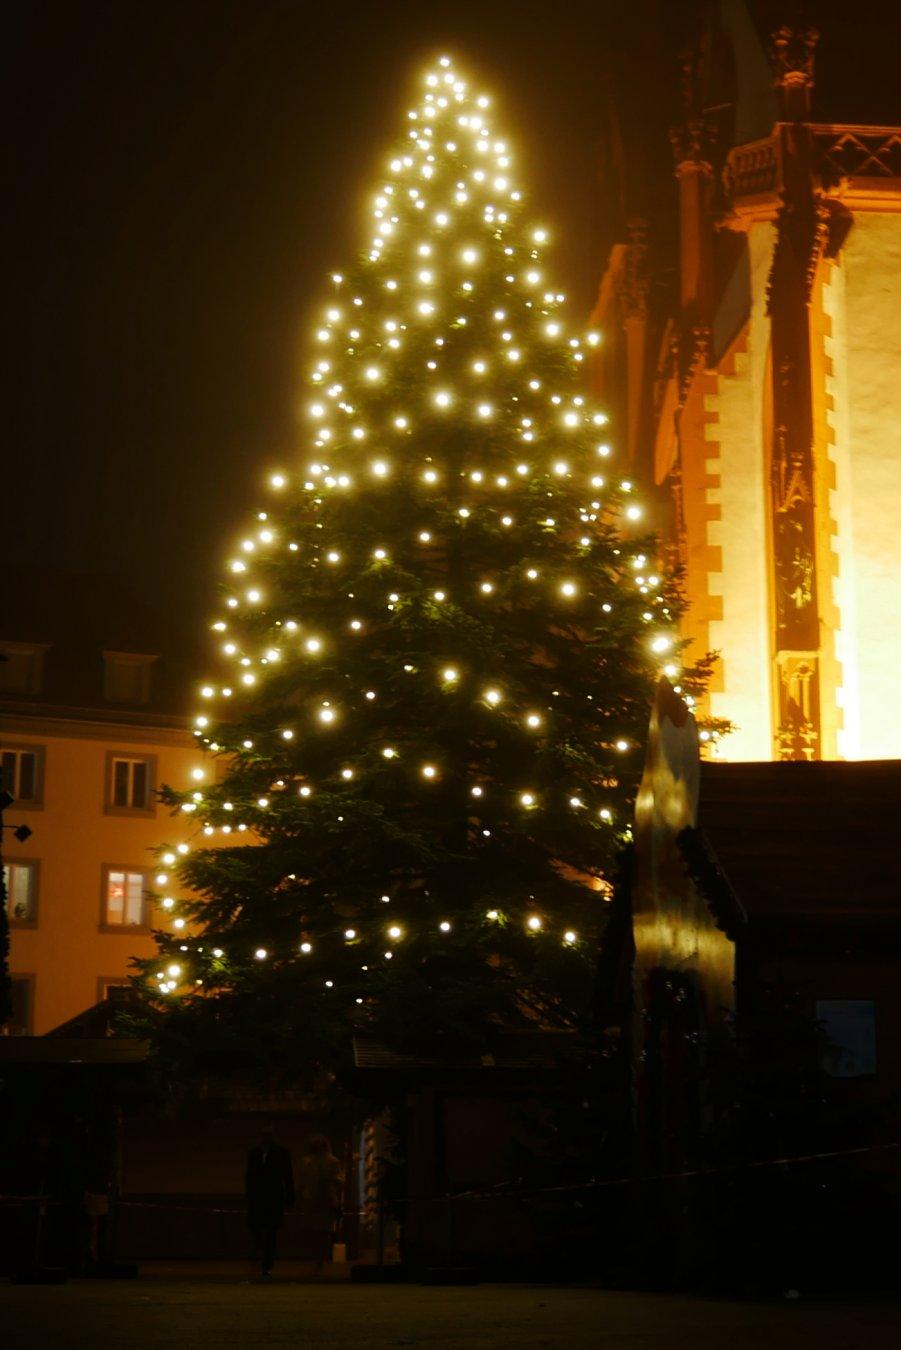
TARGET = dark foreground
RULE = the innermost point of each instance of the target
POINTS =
(211, 1314)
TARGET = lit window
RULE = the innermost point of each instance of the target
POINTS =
(20, 881)
(124, 902)
(129, 783)
(21, 773)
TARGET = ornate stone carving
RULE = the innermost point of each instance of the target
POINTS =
(751, 170)
(856, 152)
(691, 142)
(797, 735)
(634, 291)
(792, 52)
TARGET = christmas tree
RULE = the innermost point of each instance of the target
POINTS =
(436, 654)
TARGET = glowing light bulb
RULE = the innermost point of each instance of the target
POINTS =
(313, 644)
(261, 953)
(476, 791)
(395, 931)
(569, 936)
(428, 771)
(533, 720)
(326, 715)
(389, 752)
(568, 588)
(379, 468)
(493, 696)
(527, 799)
(444, 926)
(534, 923)
(450, 675)
(306, 947)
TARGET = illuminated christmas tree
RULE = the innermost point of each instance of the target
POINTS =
(436, 652)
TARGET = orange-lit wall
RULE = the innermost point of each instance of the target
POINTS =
(863, 302)
(68, 952)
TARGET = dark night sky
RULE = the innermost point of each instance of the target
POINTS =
(186, 173)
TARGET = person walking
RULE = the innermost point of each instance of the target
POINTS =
(321, 1189)
(269, 1188)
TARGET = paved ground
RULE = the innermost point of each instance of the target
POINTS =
(217, 1314)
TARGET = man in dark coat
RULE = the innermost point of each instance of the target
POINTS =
(269, 1187)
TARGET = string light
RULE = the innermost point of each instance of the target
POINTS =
(453, 183)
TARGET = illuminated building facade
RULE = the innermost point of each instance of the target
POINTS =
(762, 394)
(88, 733)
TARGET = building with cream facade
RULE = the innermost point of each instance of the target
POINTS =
(89, 730)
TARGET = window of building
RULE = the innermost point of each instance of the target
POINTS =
(116, 988)
(129, 782)
(22, 773)
(21, 1019)
(21, 667)
(20, 881)
(125, 904)
(126, 677)
(849, 1036)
